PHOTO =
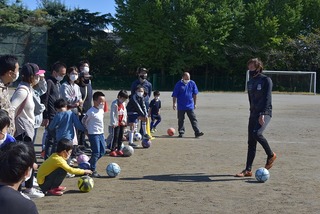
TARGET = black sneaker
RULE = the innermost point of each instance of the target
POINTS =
(133, 144)
(95, 174)
(180, 135)
(199, 134)
(146, 136)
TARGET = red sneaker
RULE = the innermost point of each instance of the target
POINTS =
(120, 153)
(60, 188)
(54, 192)
(113, 154)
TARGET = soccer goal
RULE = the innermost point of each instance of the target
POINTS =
(291, 81)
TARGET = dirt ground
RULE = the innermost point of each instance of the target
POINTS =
(191, 175)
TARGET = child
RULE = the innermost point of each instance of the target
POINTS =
(154, 111)
(136, 109)
(93, 121)
(118, 120)
(5, 138)
(64, 122)
(53, 170)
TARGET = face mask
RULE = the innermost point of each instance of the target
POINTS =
(59, 78)
(15, 79)
(121, 100)
(4, 139)
(73, 77)
(140, 94)
(253, 73)
(101, 106)
(86, 81)
(86, 69)
(186, 81)
(157, 98)
(29, 175)
(143, 76)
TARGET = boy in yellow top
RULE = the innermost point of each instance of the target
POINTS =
(53, 170)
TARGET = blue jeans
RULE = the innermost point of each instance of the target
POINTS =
(98, 147)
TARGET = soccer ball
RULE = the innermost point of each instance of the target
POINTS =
(82, 158)
(262, 175)
(85, 183)
(127, 151)
(171, 131)
(113, 170)
(137, 136)
(146, 143)
(84, 165)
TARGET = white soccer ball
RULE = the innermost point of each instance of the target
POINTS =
(262, 175)
(137, 136)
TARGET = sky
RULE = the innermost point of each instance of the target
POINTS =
(102, 6)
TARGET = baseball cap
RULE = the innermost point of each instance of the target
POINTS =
(41, 73)
(29, 69)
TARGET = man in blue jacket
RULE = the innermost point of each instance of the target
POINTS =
(185, 94)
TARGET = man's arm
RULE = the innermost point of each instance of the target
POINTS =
(174, 102)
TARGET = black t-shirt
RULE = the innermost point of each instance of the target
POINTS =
(12, 202)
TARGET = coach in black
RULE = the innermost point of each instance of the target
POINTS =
(260, 93)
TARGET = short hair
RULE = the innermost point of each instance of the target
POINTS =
(82, 62)
(58, 65)
(60, 103)
(257, 63)
(139, 70)
(64, 144)
(156, 93)
(7, 63)
(97, 94)
(139, 87)
(123, 94)
(15, 159)
(4, 119)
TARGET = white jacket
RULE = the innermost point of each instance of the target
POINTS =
(114, 114)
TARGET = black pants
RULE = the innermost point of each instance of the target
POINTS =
(53, 180)
(192, 118)
(255, 131)
(117, 138)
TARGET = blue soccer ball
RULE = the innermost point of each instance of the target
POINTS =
(262, 175)
(113, 170)
(84, 165)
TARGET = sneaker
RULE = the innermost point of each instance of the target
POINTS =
(146, 136)
(199, 134)
(152, 131)
(34, 193)
(54, 192)
(244, 173)
(95, 174)
(133, 144)
(35, 182)
(113, 154)
(25, 196)
(69, 175)
(73, 161)
(270, 161)
(119, 153)
(180, 135)
(60, 188)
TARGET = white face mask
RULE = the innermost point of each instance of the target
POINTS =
(29, 175)
(101, 106)
(17, 76)
(157, 98)
(140, 94)
(73, 77)
(59, 78)
(4, 138)
(186, 81)
(86, 69)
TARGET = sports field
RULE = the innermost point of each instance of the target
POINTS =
(188, 175)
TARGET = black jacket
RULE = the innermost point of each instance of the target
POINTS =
(136, 104)
(48, 99)
(260, 95)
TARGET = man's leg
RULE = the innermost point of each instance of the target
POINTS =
(194, 122)
(181, 122)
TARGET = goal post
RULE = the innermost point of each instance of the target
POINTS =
(309, 79)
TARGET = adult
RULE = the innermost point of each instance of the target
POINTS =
(23, 104)
(87, 97)
(9, 72)
(260, 93)
(71, 93)
(142, 74)
(53, 93)
(16, 162)
(185, 94)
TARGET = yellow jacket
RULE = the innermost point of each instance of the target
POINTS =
(54, 162)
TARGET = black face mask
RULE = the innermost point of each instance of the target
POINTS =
(253, 73)
(86, 81)
(143, 77)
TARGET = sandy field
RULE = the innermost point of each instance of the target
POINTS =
(188, 175)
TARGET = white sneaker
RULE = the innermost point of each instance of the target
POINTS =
(24, 195)
(34, 193)
(69, 175)
(35, 182)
